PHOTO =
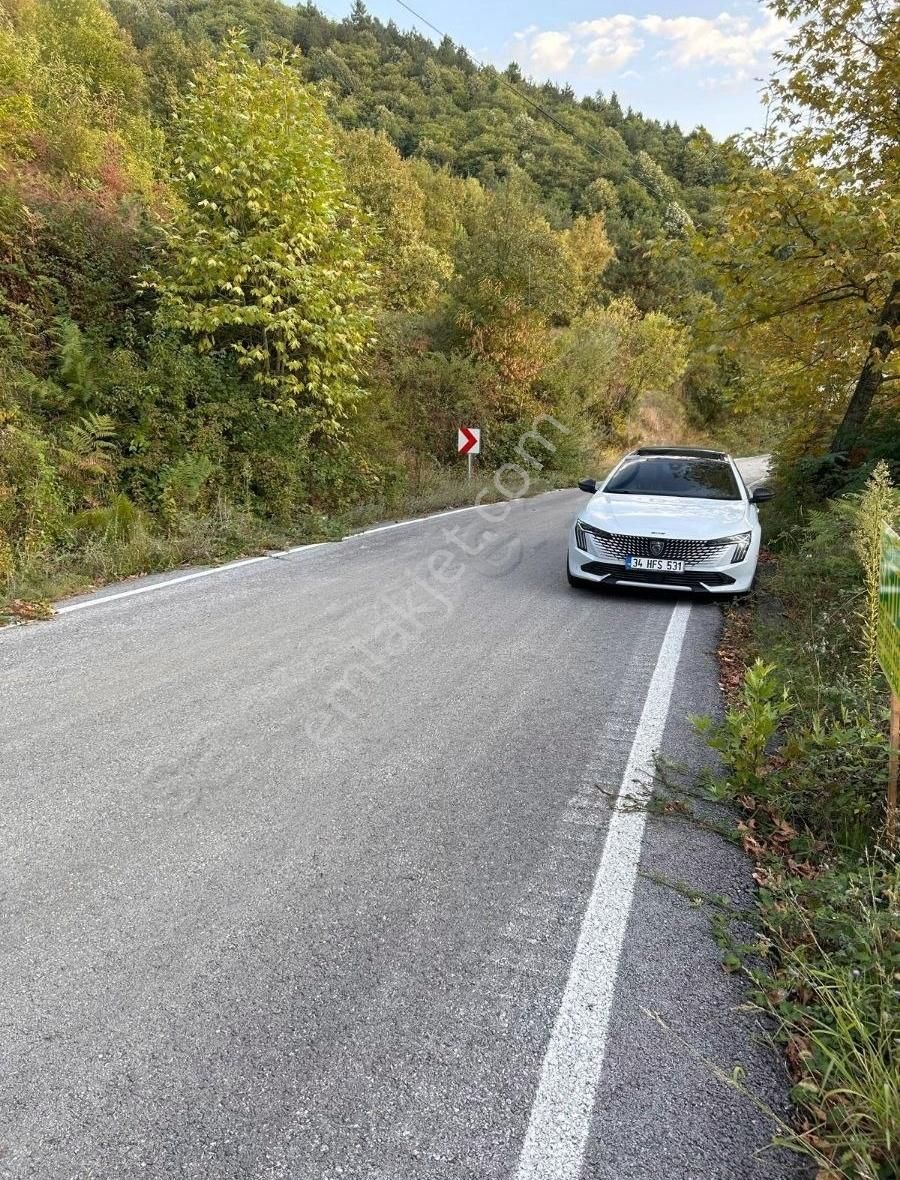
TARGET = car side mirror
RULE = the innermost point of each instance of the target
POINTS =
(761, 495)
(588, 485)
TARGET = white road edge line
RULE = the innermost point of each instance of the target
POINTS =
(563, 1105)
(218, 569)
(68, 608)
(401, 524)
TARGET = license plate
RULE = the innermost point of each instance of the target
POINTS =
(659, 564)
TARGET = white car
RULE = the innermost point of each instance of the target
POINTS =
(675, 517)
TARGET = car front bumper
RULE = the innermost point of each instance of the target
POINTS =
(699, 579)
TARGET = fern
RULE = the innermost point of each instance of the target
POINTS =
(120, 521)
(182, 482)
(76, 371)
(91, 440)
(87, 452)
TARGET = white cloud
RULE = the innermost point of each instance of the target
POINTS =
(738, 43)
(550, 51)
(609, 42)
(734, 46)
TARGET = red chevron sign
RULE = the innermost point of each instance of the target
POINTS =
(468, 440)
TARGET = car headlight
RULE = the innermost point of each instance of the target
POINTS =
(582, 528)
(741, 545)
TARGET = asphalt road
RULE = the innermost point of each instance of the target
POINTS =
(299, 859)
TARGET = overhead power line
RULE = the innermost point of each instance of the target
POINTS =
(527, 99)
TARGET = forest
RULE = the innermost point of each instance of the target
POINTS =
(256, 265)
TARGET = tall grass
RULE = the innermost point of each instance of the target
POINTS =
(878, 505)
(842, 958)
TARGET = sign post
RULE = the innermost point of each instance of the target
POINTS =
(889, 659)
(468, 443)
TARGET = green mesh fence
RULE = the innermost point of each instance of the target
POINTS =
(889, 614)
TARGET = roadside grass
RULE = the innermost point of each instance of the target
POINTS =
(87, 559)
(121, 542)
(438, 490)
(803, 749)
(835, 999)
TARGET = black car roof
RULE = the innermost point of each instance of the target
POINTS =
(693, 452)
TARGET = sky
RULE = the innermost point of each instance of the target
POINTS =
(686, 61)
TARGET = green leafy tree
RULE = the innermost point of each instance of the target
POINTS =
(608, 357)
(450, 203)
(515, 277)
(265, 253)
(807, 268)
(835, 93)
(71, 96)
(510, 253)
(413, 273)
(590, 253)
(809, 247)
(31, 506)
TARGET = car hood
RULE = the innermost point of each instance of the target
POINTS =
(666, 516)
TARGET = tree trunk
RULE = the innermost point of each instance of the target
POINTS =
(869, 381)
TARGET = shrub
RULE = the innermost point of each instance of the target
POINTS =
(743, 737)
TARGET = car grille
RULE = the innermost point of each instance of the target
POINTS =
(618, 546)
(697, 579)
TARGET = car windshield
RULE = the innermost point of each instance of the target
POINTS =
(674, 475)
